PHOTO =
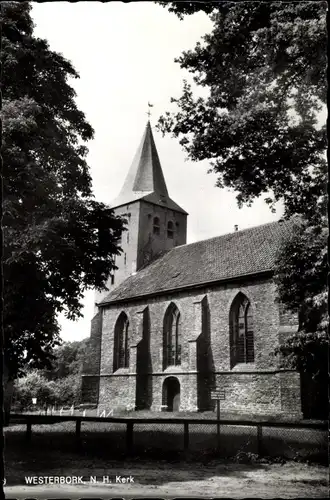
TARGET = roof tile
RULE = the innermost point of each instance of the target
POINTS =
(224, 257)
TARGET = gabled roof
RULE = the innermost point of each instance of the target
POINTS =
(234, 255)
(145, 179)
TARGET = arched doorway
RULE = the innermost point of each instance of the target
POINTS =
(171, 394)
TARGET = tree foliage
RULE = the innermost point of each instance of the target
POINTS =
(65, 391)
(33, 385)
(264, 68)
(263, 72)
(187, 8)
(69, 359)
(301, 279)
(59, 241)
(61, 385)
(304, 254)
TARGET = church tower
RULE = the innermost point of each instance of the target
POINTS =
(155, 223)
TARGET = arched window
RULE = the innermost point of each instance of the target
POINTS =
(156, 225)
(241, 331)
(121, 345)
(170, 230)
(172, 337)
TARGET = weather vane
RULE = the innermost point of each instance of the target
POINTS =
(149, 112)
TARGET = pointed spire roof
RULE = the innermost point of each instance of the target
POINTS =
(145, 178)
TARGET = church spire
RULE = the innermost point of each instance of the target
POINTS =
(145, 175)
(148, 174)
(145, 178)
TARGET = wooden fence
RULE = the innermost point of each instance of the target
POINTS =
(186, 423)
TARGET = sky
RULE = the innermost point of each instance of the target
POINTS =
(124, 54)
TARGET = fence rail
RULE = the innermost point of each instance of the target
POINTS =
(37, 419)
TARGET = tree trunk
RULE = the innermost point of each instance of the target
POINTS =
(8, 388)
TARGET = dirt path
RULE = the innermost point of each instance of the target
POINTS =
(165, 480)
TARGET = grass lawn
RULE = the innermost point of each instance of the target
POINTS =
(185, 414)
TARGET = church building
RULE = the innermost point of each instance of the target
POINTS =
(179, 320)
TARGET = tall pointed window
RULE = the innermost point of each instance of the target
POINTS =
(121, 343)
(156, 225)
(172, 337)
(241, 331)
(170, 230)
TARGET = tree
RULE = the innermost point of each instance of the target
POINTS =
(59, 241)
(263, 70)
(301, 279)
(33, 385)
(187, 8)
(64, 391)
(68, 390)
(60, 385)
(69, 359)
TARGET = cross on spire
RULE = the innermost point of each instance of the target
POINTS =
(149, 112)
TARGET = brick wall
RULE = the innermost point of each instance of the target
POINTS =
(151, 244)
(114, 392)
(258, 387)
(91, 365)
(126, 261)
(139, 244)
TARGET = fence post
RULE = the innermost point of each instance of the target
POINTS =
(28, 431)
(129, 437)
(218, 425)
(185, 436)
(259, 440)
(78, 429)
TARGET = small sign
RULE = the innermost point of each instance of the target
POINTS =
(218, 394)
(34, 401)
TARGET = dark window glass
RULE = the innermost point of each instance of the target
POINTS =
(172, 337)
(241, 331)
(121, 343)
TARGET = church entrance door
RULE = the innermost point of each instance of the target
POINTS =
(171, 394)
